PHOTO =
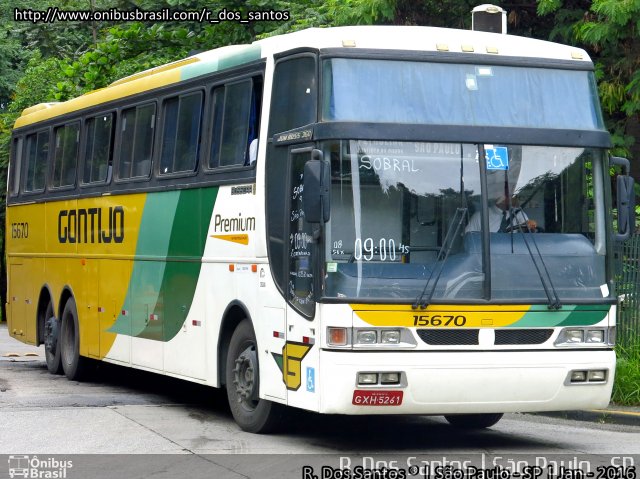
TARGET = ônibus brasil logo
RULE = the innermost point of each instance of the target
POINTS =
(33, 467)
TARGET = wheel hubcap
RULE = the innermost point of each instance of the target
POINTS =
(51, 335)
(244, 378)
(67, 342)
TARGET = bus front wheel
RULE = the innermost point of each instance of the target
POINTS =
(473, 421)
(242, 373)
(51, 341)
(75, 366)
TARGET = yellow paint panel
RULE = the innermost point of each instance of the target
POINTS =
(292, 356)
(104, 225)
(440, 307)
(101, 96)
(442, 318)
(90, 245)
(25, 229)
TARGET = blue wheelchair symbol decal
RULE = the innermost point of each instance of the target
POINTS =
(497, 158)
(311, 380)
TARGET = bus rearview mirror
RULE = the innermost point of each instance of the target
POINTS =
(625, 200)
(315, 198)
(626, 207)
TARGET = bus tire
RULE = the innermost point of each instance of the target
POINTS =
(242, 373)
(75, 366)
(52, 341)
(473, 421)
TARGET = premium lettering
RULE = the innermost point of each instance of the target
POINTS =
(234, 225)
(91, 225)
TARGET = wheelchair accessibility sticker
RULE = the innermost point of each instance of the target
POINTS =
(311, 380)
(497, 157)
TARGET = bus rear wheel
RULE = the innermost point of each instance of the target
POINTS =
(51, 341)
(75, 366)
(473, 421)
(242, 373)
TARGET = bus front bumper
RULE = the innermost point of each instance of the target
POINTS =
(464, 382)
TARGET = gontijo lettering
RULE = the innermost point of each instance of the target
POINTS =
(91, 225)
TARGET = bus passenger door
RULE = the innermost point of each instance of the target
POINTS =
(301, 354)
(115, 325)
(90, 328)
(17, 320)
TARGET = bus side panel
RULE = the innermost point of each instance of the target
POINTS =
(115, 243)
(90, 333)
(16, 302)
(114, 276)
(25, 243)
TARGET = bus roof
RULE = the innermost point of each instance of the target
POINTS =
(421, 39)
(356, 37)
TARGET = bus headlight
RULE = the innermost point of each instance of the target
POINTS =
(587, 377)
(367, 378)
(381, 379)
(597, 376)
(595, 336)
(389, 378)
(370, 338)
(574, 335)
(366, 336)
(390, 336)
(578, 376)
(587, 336)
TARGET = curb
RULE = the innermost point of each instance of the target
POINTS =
(629, 417)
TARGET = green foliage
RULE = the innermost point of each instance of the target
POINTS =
(36, 84)
(123, 51)
(610, 29)
(626, 388)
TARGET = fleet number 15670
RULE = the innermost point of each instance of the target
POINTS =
(438, 320)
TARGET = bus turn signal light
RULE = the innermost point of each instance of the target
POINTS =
(337, 336)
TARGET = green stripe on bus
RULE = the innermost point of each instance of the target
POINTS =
(161, 288)
(188, 239)
(571, 315)
(221, 61)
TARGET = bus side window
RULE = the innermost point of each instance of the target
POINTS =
(36, 156)
(136, 144)
(16, 165)
(293, 104)
(98, 149)
(65, 160)
(294, 97)
(181, 133)
(236, 118)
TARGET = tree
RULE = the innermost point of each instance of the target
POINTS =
(609, 30)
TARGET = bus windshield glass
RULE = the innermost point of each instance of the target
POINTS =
(406, 216)
(389, 91)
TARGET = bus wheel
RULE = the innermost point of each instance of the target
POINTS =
(473, 421)
(250, 412)
(51, 341)
(75, 367)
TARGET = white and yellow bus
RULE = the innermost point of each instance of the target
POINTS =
(308, 222)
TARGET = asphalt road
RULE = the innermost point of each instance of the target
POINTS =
(124, 411)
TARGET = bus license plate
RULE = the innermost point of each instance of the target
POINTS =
(377, 398)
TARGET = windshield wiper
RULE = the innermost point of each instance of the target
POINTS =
(442, 256)
(550, 290)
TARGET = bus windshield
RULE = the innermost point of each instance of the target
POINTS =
(402, 210)
(389, 91)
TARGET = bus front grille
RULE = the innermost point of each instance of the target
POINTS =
(522, 336)
(470, 337)
(449, 337)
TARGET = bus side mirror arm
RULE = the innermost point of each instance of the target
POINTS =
(316, 189)
(625, 200)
